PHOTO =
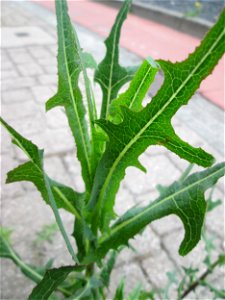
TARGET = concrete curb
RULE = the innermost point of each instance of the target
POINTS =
(196, 27)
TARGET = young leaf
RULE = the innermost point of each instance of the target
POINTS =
(109, 74)
(184, 198)
(71, 62)
(107, 269)
(30, 171)
(120, 291)
(65, 196)
(7, 251)
(51, 280)
(152, 125)
(136, 92)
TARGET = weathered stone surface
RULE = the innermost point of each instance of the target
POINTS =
(132, 275)
(156, 266)
(30, 69)
(19, 95)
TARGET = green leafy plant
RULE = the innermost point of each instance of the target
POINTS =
(106, 147)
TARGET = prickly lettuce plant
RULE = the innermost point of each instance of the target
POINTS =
(130, 129)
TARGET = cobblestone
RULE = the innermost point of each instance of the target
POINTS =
(30, 69)
(132, 274)
(20, 95)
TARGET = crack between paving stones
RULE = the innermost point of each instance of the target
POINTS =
(163, 247)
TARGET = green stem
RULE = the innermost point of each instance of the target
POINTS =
(196, 283)
(59, 220)
(186, 172)
(90, 270)
(23, 266)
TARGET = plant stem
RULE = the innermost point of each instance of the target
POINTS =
(90, 270)
(186, 172)
(194, 285)
(38, 277)
(59, 220)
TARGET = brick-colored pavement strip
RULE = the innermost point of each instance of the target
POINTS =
(28, 80)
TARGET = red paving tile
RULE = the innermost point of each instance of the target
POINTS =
(145, 37)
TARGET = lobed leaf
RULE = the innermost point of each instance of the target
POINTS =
(109, 74)
(183, 198)
(119, 295)
(8, 252)
(152, 125)
(34, 171)
(71, 63)
(108, 267)
(136, 92)
(51, 280)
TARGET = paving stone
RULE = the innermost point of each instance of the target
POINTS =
(42, 93)
(9, 191)
(6, 144)
(16, 83)
(7, 65)
(143, 245)
(55, 141)
(160, 171)
(74, 169)
(49, 61)
(156, 267)
(52, 49)
(48, 79)
(19, 95)
(215, 219)
(50, 141)
(13, 279)
(124, 201)
(195, 258)
(39, 52)
(20, 56)
(6, 74)
(133, 276)
(56, 170)
(18, 110)
(30, 69)
(56, 118)
(30, 126)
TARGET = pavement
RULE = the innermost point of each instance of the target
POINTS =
(28, 80)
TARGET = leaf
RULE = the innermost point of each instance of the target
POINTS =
(51, 280)
(108, 267)
(8, 252)
(137, 90)
(109, 74)
(184, 198)
(65, 196)
(135, 294)
(34, 171)
(71, 62)
(120, 291)
(152, 125)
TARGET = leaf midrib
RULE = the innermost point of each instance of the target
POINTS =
(109, 88)
(126, 148)
(140, 86)
(146, 211)
(72, 96)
